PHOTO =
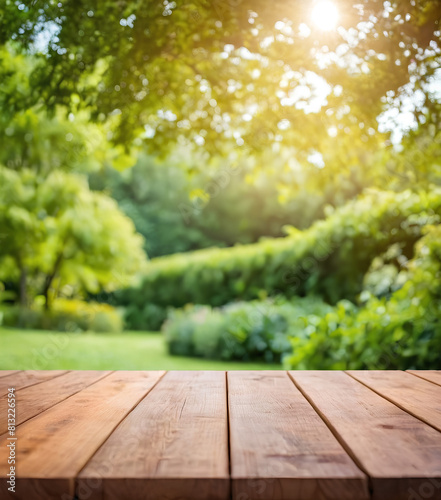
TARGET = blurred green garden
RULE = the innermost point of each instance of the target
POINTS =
(220, 185)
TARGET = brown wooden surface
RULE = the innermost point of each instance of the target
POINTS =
(224, 436)
(26, 378)
(277, 437)
(35, 399)
(5, 373)
(55, 445)
(398, 452)
(178, 442)
(413, 394)
(430, 375)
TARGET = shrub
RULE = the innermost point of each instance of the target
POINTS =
(65, 315)
(399, 331)
(150, 317)
(256, 330)
(329, 259)
(12, 315)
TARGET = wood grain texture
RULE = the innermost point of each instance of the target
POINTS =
(35, 399)
(433, 376)
(401, 454)
(280, 448)
(27, 378)
(173, 445)
(5, 373)
(414, 395)
(56, 444)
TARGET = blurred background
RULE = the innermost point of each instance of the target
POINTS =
(224, 185)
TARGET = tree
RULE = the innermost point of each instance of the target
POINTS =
(215, 205)
(31, 137)
(60, 237)
(230, 71)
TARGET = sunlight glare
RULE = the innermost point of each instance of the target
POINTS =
(325, 15)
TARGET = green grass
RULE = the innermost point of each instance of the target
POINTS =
(42, 350)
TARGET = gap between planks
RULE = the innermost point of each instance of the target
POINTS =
(281, 449)
(410, 394)
(38, 398)
(334, 432)
(399, 452)
(292, 379)
(68, 438)
(433, 376)
(27, 378)
(6, 373)
(185, 415)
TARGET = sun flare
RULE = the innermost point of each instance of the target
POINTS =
(325, 15)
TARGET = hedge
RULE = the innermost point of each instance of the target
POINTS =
(329, 259)
(401, 330)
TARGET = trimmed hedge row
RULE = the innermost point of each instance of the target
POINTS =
(329, 259)
(401, 330)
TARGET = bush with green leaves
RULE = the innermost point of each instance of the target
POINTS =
(65, 316)
(329, 259)
(150, 317)
(401, 330)
(256, 330)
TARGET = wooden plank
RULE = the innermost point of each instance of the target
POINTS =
(5, 373)
(280, 448)
(401, 454)
(55, 445)
(418, 397)
(433, 376)
(27, 378)
(37, 398)
(173, 445)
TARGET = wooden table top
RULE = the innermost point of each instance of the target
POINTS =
(212, 435)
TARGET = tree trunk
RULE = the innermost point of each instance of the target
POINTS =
(49, 279)
(23, 287)
(46, 295)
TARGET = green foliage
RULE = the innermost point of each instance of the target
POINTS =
(256, 330)
(195, 68)
(150, 317)
(58, 233)
(150, 193)
(65, 316)
(401, 331)
(31, 138)
(244, 82)
(416, 162)
(330, 258)
(217, 206)
(57, 237)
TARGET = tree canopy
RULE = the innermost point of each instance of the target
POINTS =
(231, 71)
(59, 235)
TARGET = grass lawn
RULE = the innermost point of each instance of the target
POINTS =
(42, 350)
